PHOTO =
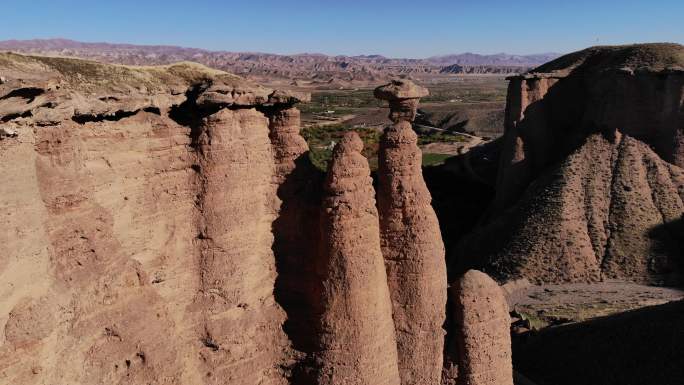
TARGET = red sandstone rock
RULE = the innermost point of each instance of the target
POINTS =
(139, 249)
(636, 89)
(609, 210)
(590, 181)
(237, 262)
(357, 340)
(482, 331)
(296, 234)
(403, 96)
(413, 251)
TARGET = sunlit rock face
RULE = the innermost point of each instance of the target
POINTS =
(139, 206)
(358, 344)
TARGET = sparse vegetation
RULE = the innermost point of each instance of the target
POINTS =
(434, 159)
(439, 137)
(322, 139)
(468, 90)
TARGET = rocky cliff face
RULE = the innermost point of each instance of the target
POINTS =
(237, 265)
(590, 180)
(637, 90)
(139, 204)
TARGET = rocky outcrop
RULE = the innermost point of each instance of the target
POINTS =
(411, 243)
(483, 331)
(139, 209)
(590, 180)
(237, 264)
(636, 89)
(403, 97)
(357, 339)
(296, 230)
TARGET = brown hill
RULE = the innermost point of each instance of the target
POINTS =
(590, 184)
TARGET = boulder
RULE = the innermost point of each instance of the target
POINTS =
(403, 96)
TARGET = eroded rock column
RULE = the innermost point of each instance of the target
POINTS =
(296, 229)
(482, 331)
(411, 241)
(242, 337)
(357, 341)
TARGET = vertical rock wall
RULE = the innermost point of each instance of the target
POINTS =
(237, 266)
(296, 235)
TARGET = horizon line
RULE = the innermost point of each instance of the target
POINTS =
(274, 53)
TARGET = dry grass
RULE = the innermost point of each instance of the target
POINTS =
(644, 57)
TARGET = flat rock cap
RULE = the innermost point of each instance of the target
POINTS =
(400, 89)
(288, 97)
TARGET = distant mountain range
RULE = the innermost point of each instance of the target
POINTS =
(299, 68)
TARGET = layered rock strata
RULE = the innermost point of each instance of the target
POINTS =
(411, 242)
(590, 181)
(139, 204)
(357, 339)
(483, 331)
(403, 97)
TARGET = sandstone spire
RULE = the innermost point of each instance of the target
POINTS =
(284, 124)
(411, 241)
(296, 227)
(357, 339)
(483, 331)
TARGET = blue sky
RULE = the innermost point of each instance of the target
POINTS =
(399, 28)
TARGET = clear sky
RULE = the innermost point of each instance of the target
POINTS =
(399, 28)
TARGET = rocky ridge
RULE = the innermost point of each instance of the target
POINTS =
(316, 69)
(590, 179)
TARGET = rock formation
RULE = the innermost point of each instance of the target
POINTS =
(164, 225)
(357, 339)
(411, 242)
(139, 209)
(637, 90)
(483, 331)
(590, 183)
(236, 260)
(296, 229)
(403, 97)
